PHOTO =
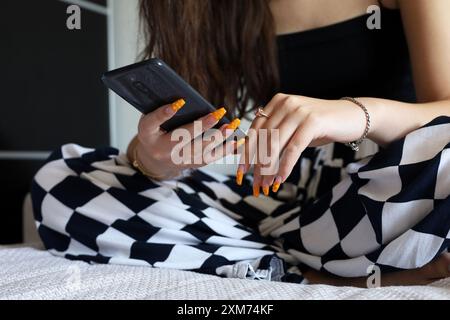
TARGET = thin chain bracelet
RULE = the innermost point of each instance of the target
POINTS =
(136, 164)
(355, 144)
(139, 167)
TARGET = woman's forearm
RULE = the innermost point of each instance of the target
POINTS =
(392, 120)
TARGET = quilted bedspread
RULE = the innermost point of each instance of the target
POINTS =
(31, 273)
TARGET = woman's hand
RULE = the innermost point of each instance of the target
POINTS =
(158, 153)
(293, 124)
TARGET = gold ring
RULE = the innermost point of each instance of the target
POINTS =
(260, 113)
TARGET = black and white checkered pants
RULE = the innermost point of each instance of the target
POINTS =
(334, 214)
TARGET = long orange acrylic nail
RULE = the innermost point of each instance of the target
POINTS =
(219, 113)
(177, 105)
(233, 125)
(239, 177)
(266, 190)
(276, 185)
(256, 191)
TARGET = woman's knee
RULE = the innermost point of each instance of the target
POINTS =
(58, 188)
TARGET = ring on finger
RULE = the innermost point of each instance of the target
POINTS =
(260, 113)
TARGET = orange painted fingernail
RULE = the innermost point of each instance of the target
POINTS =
(219, 113)
(266, 190)
(276, 185)
(256, 191)
(177, 105)
(239, 177)
(234, 124)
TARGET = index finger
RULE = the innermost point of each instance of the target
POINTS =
(251, 144)
(151, 123)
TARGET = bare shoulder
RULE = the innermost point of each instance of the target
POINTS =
(426, 25)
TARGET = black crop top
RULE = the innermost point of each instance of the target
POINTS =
(348, 59)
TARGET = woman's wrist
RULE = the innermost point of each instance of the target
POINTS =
(392, 120)
(356, 142)
(139, 163)
(375, 110)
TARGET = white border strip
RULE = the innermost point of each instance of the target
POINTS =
(24, 155)
(112, 98)
(88, 6)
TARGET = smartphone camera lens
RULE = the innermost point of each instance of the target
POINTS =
(141, 87)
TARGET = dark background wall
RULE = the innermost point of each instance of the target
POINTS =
(51, 94)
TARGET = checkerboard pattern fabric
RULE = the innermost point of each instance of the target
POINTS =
(334, 214)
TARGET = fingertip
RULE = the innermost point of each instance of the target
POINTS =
(226, 132)
(256, 190)
(266, 190)
(239, 175)
(177, 105)
(219, 113)
(276, 185)
(169, 111)
(233, 125)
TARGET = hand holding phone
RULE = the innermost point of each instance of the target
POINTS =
(163, 157)
(169, 103)
(152, 83)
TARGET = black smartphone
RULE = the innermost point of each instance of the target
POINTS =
(151, 84)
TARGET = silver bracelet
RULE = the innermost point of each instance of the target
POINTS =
(355, 144)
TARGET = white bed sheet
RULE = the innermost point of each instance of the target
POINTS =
(30, 273)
